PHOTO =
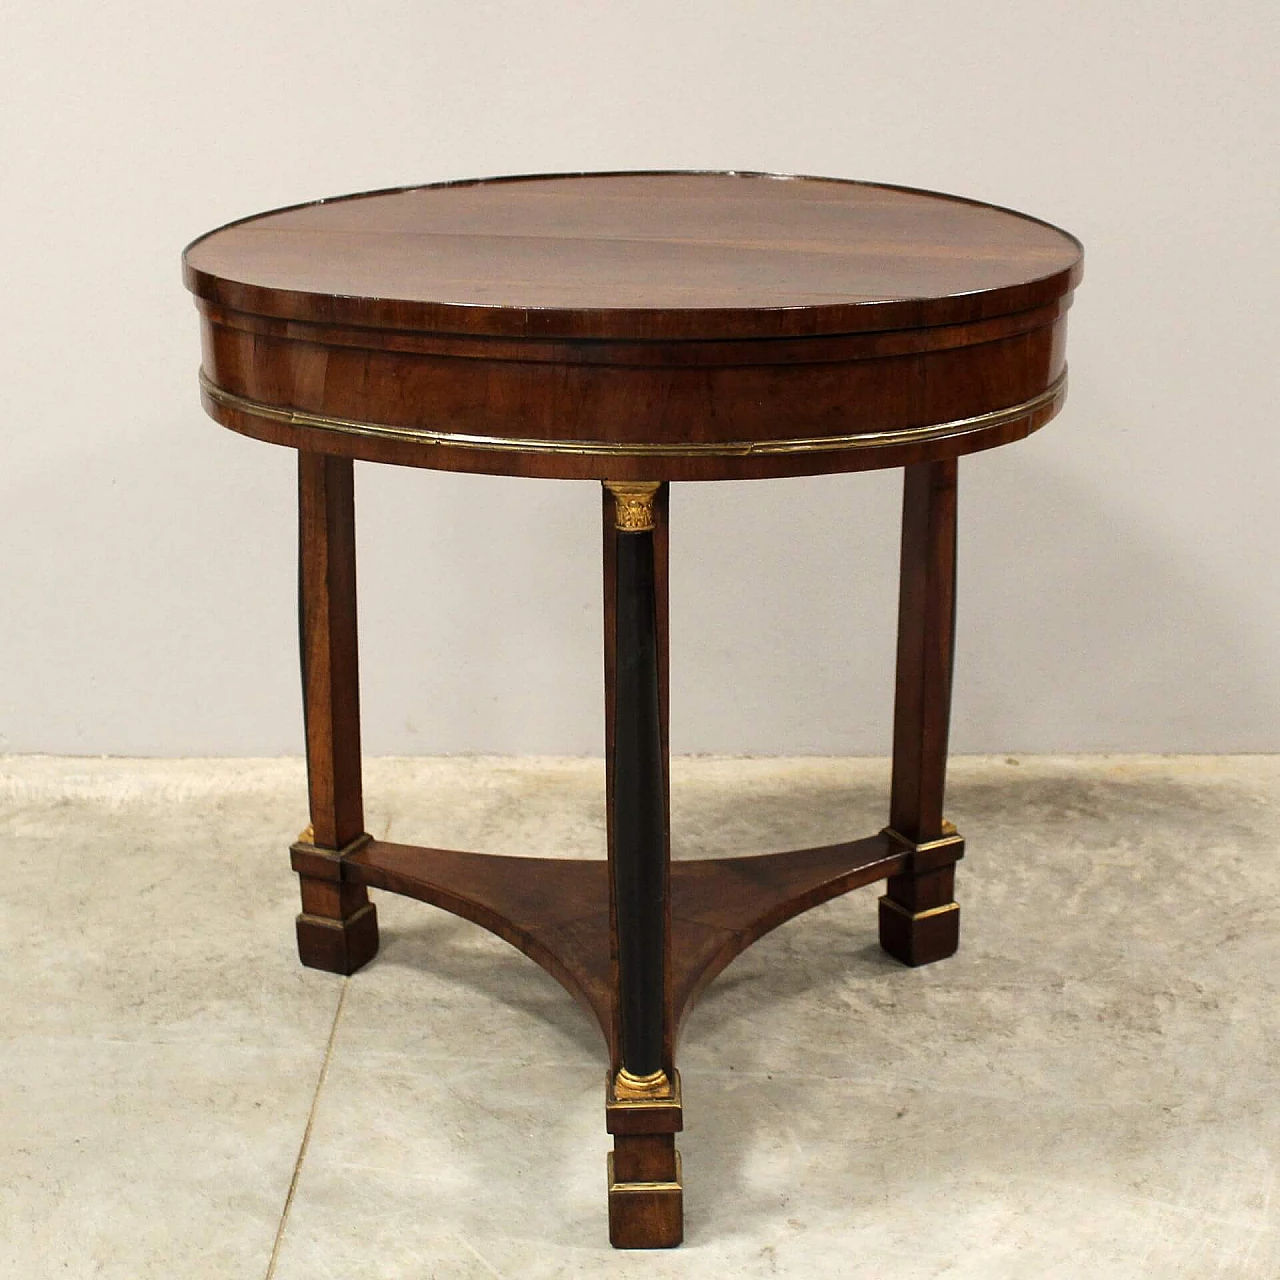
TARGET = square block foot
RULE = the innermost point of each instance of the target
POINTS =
(646, 1215)
(920, 937)
(338, 946)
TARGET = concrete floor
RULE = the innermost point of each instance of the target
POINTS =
(1089, 1088)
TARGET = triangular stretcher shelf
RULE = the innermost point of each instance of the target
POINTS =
(556, 910)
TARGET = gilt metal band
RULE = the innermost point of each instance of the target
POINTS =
(632, 505)
(950, 836)
(638, 449)
(617, 1188)
(943, 910)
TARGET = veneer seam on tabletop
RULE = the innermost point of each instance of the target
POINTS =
(306, 1133)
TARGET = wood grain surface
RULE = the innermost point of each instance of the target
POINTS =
(638, 255)
(556, 910)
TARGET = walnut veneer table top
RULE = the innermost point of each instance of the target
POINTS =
(647, 325)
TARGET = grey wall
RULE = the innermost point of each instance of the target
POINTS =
(1118, 570)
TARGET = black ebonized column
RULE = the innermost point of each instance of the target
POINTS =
(642, 1098)
(639, 809)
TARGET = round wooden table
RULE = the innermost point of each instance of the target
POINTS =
(635, 329)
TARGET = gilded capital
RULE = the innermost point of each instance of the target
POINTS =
(633, 504)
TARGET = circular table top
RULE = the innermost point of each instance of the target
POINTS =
(638, 255)
(636, 325)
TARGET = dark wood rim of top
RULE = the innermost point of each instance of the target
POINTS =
(643, 324)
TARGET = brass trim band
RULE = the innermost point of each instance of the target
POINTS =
(950, 836)
(887, 901)
(649, 1188)
(638, 449)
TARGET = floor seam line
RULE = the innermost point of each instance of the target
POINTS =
(306, 1133)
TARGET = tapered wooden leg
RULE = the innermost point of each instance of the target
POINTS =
(919, 919)
(642, 1105)
(338, 927)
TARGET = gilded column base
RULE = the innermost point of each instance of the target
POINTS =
(627, 1112)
